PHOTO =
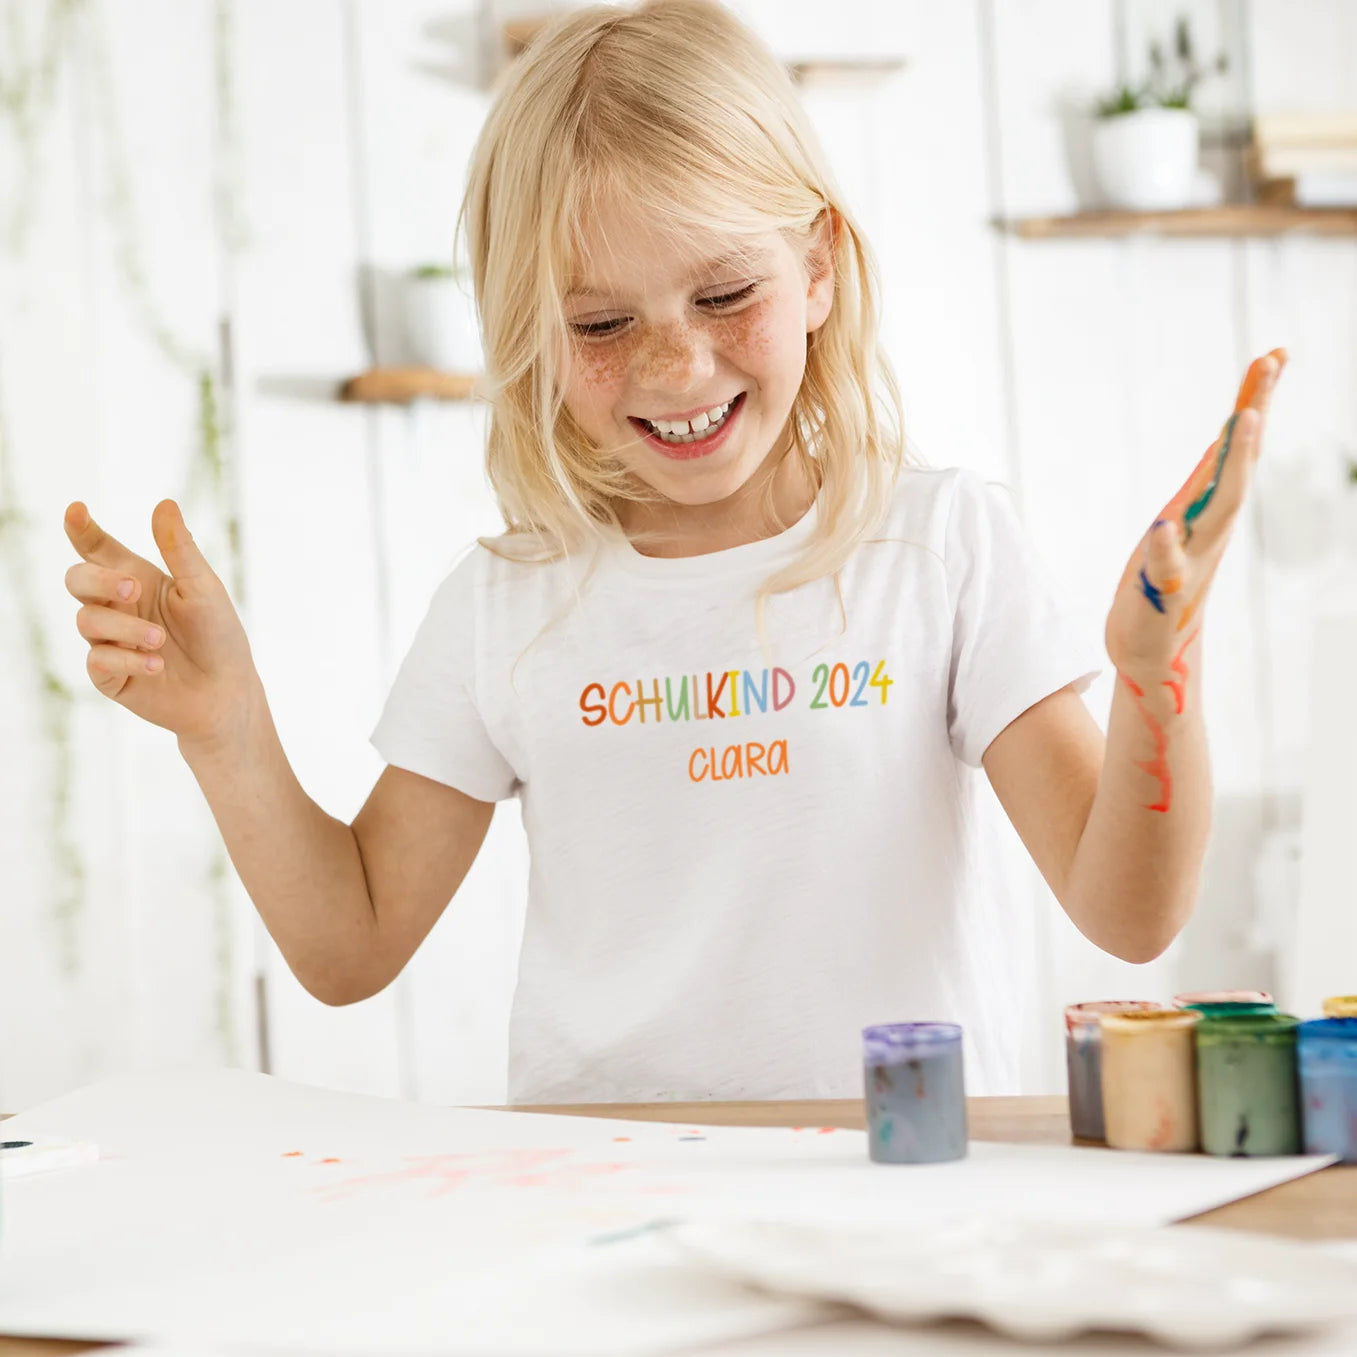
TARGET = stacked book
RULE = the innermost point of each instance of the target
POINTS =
(1305, 159)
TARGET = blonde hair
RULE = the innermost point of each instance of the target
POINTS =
(598, 102)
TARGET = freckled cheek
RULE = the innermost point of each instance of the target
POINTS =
(759, 340)
(597, 374)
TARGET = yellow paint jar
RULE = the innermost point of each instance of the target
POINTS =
(1150, 1079)
(1341, 1006)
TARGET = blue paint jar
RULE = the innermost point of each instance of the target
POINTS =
(916, 1092)
(1327, 1056)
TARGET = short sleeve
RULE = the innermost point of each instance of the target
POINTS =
(433, 723)
(1013, 642)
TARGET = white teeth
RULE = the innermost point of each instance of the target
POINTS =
(685, 431)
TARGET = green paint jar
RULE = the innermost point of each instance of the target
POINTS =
(1247, 1092)
(1224, 1003)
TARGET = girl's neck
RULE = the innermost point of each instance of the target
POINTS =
(664, 528)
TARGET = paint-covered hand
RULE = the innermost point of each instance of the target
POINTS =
(1159, 600)
(169, 648)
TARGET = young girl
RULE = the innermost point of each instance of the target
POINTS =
(740, 664)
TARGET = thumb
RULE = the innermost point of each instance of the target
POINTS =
(177, 547)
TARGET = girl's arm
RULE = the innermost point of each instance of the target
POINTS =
(1120, 832)
(347, 905)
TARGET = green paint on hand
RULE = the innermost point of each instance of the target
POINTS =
(1198, 505)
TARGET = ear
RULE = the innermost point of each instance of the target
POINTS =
(820, 251)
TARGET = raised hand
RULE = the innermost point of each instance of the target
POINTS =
(1159, 600)
(169, 648)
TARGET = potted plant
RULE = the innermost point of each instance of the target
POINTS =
(1145, 140)
(441, 328)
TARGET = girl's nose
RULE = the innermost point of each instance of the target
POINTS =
(673, 357)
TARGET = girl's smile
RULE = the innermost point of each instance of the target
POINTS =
(696, 434)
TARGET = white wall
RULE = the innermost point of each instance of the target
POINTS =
(150, 225)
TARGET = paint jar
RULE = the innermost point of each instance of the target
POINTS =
(1341, 1006)
(916, 1092)
(1084, 1061)
(1150, 1079)
(1222, 1003)
(1327, 1050)
(1247, 1097)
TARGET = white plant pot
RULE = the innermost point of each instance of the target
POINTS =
(440, 324)
(1147, 160)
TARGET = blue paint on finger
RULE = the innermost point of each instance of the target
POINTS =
(1150, 592)
(1199, 505)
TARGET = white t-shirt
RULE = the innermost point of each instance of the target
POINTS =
(740, 857)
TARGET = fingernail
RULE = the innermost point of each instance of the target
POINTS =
(154, 636)
(154, 664)
(126, 587)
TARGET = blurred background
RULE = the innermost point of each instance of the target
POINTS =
(216, 213)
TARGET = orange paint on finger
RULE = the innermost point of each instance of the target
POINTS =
(1171, 586)
(1190, 609)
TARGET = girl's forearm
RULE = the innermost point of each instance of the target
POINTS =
(1134, 878)
(301, 867)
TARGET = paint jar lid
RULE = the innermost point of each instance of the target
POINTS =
(1152, 1020)
(1087, 1014)
(1329, 1029)
(1341, 1006)
(1233, 1010)
(891, 1042)
(1196, 998)
(1266, 1029)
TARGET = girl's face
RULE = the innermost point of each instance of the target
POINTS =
(683, 359)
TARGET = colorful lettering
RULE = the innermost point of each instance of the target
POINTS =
(755, 697)
(593, 715)
(617, 720)
(642, 702)
(781, 697)
(714, 696)
(679, 712)
(738, 761)
(734, 696)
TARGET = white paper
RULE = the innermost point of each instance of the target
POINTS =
(230, 1208)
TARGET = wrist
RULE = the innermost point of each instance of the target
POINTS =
(235, 738)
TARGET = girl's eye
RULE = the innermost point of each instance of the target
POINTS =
(729, 298)
(598, 327)
(601, 329)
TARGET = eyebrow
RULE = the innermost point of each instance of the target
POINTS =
(735, 259)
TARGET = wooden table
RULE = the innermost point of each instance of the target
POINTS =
(1318, 1206)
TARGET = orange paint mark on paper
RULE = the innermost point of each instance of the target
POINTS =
(621, 1140)
(1158, 766)
(293, 1154)
(828, 1130)
(331, 1161)
(1178, 686)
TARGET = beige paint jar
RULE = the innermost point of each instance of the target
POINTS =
(1341, 1006)
(1150, 1079)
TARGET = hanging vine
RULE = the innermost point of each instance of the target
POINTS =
(27, 97)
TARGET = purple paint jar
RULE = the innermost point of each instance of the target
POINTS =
(1327, 1058)
(916, 1092)
(1084, 1061)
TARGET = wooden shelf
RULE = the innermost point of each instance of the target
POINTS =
(400, 386)
(1239, 219)
(518, 33)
